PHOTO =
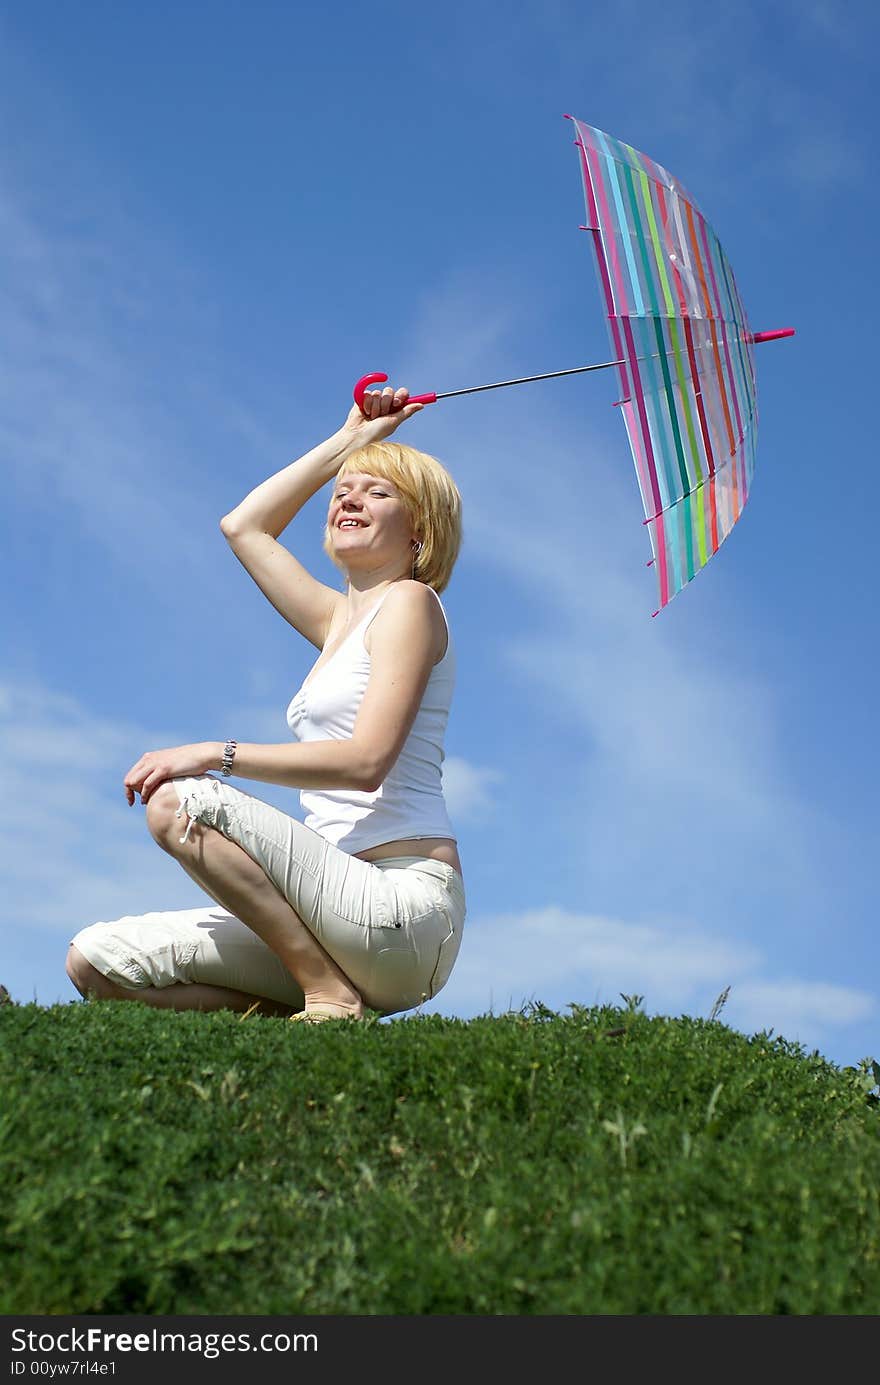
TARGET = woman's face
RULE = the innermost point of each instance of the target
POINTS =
(370, 528)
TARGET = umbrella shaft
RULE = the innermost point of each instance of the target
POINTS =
(525, 379)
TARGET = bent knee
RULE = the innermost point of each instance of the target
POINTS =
(86, 978)
(162, 805)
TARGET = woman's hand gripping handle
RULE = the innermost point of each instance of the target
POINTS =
(377, 413)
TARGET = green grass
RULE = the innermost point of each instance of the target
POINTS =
(598, 1161)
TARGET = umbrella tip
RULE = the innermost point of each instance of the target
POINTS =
(773, 336)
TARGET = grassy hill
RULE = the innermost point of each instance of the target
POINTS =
(599, 1161)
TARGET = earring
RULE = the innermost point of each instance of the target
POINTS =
(417, 548)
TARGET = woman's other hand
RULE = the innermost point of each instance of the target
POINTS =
(157, 766)
(384, 411)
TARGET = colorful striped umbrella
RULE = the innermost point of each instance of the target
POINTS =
(683, 350)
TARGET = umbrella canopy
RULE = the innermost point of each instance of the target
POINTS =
(680, 332)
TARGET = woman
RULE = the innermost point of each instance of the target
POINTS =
(362, 904)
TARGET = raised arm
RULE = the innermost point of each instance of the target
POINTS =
(252, 530)
(253, 527)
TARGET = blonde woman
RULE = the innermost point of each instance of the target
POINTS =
(361, 905)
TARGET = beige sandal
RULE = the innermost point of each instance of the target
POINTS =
(319, 1014)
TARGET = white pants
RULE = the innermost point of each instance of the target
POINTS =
(393, 926)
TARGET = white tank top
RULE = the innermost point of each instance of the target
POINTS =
(410, 802)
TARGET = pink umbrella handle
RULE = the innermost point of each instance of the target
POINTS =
(377, 378)
(772, 336)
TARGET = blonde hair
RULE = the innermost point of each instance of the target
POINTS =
(431, 497)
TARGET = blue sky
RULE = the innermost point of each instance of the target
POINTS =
(214, 218)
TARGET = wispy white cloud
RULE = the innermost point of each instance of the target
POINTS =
(468, 790)
(820, 159)
(852, 29)
(558, 956)
(798, 1008)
